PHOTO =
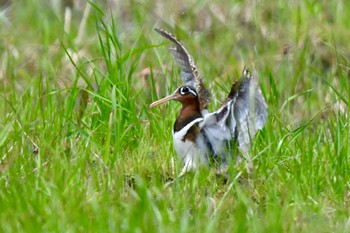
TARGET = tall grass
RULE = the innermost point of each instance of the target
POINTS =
(82, 152)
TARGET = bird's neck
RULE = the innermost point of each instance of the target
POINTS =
(189, 112)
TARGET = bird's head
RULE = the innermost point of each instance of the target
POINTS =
(183, 94)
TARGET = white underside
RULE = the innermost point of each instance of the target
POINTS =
(190, 153)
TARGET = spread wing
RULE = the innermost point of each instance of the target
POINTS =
(241, 115)
(189, 72)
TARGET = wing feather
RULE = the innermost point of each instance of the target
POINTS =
(250, 109)
(240, 116)
(217, 127)
(189, 71)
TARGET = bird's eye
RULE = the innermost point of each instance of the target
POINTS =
(184, 90)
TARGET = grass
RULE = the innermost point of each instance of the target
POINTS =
(77, 158)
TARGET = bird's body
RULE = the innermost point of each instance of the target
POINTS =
(203, 138)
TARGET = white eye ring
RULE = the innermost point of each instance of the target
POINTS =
(185, 90)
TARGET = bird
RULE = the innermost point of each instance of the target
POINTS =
(207, 138)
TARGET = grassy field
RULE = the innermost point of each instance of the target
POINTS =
(82, 152)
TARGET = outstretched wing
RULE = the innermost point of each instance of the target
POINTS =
(189, 72)
(241, 115)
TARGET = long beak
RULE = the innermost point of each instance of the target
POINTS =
(165, 99)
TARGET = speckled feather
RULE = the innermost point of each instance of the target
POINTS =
(189, 71)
